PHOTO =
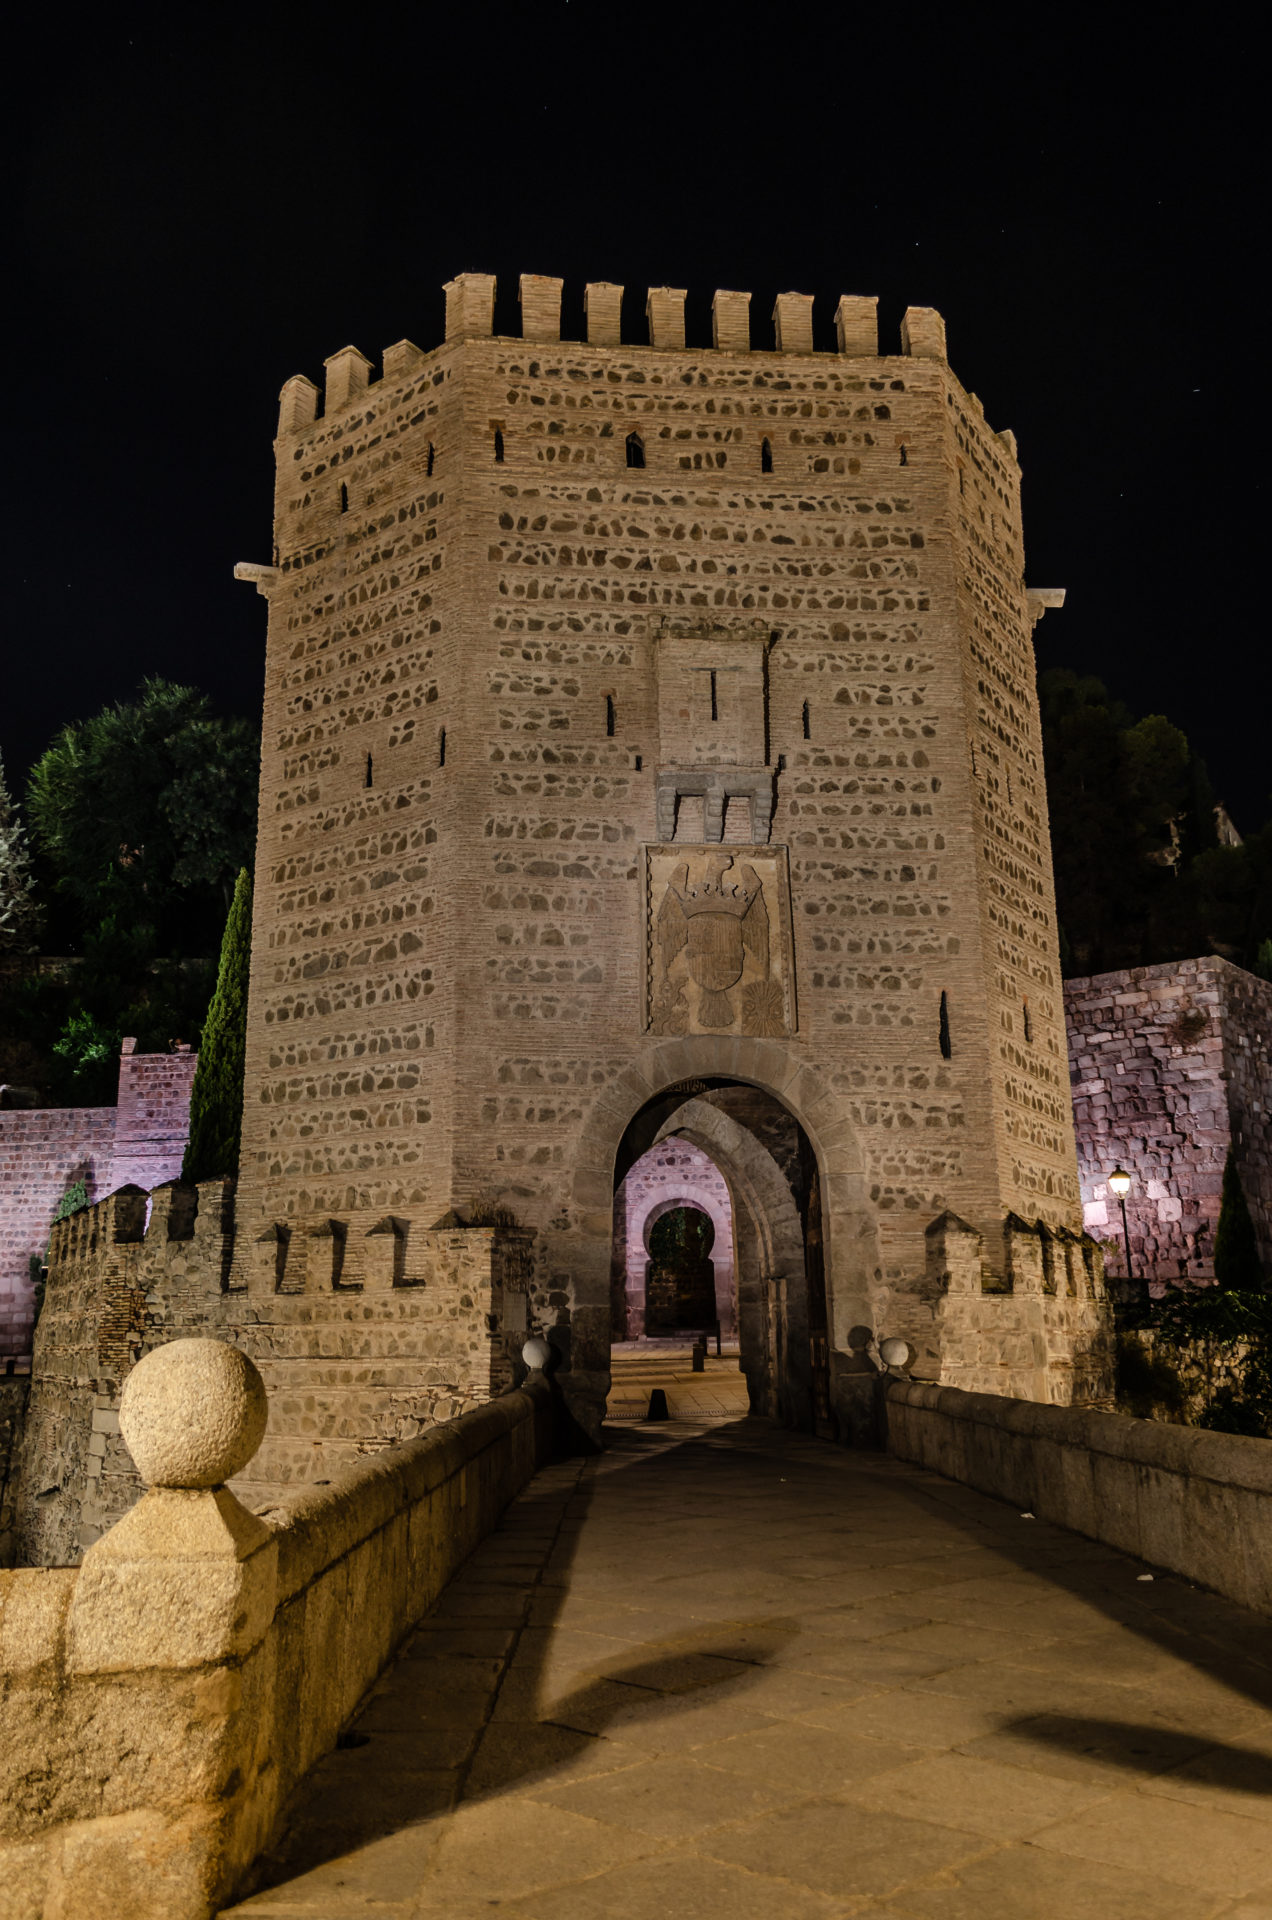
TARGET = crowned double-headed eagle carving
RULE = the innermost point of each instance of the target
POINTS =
(716, 920)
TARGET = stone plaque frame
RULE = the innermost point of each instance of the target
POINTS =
(672, 999)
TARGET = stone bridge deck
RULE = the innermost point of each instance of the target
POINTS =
(728, 1671)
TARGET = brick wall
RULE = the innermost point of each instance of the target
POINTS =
(153, 1117)
(1169, 1066)
(44, 1150)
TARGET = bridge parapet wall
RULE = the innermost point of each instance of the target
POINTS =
(159, 1704)
(1196, 1503)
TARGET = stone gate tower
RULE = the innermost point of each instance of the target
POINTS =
(650, 731)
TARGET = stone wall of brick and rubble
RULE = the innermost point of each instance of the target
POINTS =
(46, 1150)
(1171, 1065)
(431, 1327)
(477, 612)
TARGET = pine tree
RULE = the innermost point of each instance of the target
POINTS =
(19, 913)
(1237, 1264)
(216, 1099)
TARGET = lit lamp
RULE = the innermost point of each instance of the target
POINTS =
(1120, 1184)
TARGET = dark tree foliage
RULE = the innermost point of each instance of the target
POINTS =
(147, 811)
(1237, 1264)
(216, 1099)
(141, 817)
(1140, 874)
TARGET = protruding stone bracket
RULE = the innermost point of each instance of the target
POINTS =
(264, 579)
(716, 785)
(1039, 599)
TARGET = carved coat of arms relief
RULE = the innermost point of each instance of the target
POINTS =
(718, 932)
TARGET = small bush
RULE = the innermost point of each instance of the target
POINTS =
(1147, 1385)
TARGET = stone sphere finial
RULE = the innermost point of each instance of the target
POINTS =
(193, 1413)
(894, 1353)
(536, 1353)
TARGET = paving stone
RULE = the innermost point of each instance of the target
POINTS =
(1206, 1848)
(632, 1758)
(1021, 1883)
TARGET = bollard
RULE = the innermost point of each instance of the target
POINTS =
(657, 1404)
(699, 1354)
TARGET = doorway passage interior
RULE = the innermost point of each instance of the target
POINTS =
(718, 1220)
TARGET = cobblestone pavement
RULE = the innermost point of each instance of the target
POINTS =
(728, 1671)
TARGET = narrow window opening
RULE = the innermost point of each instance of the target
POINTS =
(638, 763)
(344, 498)
(368, 780)
(1024, 1008)
(635, 450)
(904, 459)
(609, 716)
(808, 730)
(1010, 801)
(961, 487)
(441, 748)
(498, 446)
(715, 704)
(766, 456)
(429, 468)
(975, 773)
(946, 1049)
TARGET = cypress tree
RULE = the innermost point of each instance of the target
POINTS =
(1237, 1264)
(216, 1099)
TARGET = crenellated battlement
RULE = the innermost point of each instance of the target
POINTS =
(470, 316)
(424, 1319)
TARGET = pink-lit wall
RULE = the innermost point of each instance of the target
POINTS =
(44, 1150)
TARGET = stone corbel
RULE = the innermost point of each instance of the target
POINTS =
(1038, 599)
(263, 578)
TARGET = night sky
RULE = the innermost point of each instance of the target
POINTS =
(199, 210)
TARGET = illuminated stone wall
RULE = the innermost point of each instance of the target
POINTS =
(1171, 1065)
(527, 702)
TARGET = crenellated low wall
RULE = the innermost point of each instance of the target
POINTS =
(1196, 1503)
(429, 1327)
(159, 1704)
(1029, 1317)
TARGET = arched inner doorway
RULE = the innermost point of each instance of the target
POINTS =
(680, 1273)
(740, 1144)
(673, 1174)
